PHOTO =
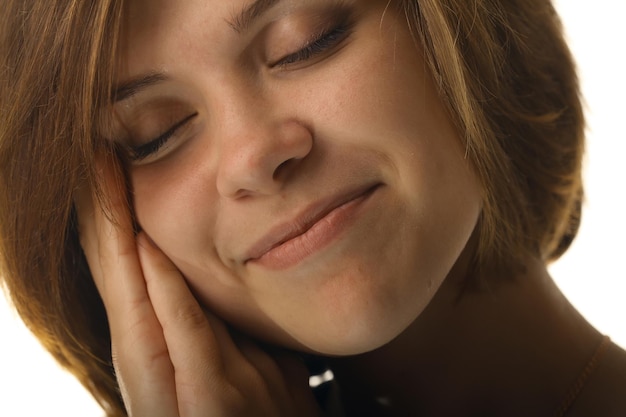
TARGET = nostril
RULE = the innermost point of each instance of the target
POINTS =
(259, 161)
(281, 170)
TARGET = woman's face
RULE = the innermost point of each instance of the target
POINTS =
(293, 159)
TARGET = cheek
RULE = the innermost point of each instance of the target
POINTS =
(379, 91)
(172, 209)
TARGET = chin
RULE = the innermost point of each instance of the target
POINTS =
(354, 342)
(354, 334)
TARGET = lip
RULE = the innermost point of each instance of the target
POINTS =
(319, 224)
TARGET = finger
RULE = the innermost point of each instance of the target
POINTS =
(214, 374)
(211, 372)
(102, 214)
(196, 345)
(141, 357)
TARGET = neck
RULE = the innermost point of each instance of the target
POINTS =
(513, 349)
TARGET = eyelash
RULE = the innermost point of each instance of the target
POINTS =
(140, 152)
(323, 43)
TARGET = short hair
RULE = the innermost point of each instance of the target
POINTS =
(507, 76)
(503, 71)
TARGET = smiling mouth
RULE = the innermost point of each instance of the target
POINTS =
(290, 243)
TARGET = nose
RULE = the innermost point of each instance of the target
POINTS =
(260, 153)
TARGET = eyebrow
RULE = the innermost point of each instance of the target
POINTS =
(242, 21)
(135, 85)
(239, 23)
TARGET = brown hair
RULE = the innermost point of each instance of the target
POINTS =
(507, 76)
(503, 70)
(56, 58)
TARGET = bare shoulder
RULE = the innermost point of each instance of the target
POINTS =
(604, 394)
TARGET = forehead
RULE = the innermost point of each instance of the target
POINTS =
(164, 35)
(156, 30)
(164, 23)
(153, 16)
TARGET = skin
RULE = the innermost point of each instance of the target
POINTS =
(269, 141)
(186, 305)
(171, 357)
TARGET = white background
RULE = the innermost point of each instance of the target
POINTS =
(592, 274)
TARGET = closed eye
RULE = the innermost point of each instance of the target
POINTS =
(140, 152)
(323, 43)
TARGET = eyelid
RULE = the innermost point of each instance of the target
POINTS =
(141, 152)
(327, 39)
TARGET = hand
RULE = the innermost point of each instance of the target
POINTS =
(172, 359)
